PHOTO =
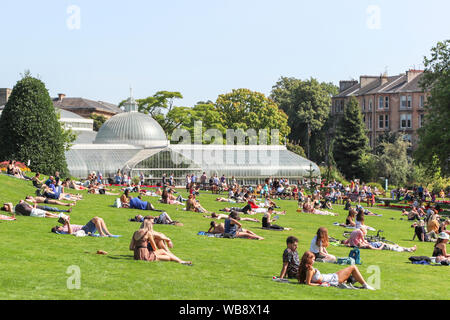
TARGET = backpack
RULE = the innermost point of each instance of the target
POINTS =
(355, 254)
(346, 260)
(117, 203)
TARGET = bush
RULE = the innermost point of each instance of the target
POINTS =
(136, 180)
(334, 174)
(30, 130)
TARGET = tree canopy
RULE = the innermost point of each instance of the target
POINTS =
(435, 133)
(30, 130)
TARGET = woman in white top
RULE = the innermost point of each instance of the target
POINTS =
(319, 246)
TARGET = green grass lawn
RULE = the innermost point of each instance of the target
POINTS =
(35, 261)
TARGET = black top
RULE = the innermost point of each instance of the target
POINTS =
(437, 252)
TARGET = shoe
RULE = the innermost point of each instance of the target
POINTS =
(366, 286)
(343, 286)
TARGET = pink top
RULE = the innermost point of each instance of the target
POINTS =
(75, 228)
(355, 238)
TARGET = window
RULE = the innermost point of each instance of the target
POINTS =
(405, 121)
(409, 101)
(407, 137)
(422, 101)
(403, 102)
(386, 122)
(380, 121)
(386, 102)
(370, 104)
(380, 103)
(421, 120)
(364, 104)
(370, 120)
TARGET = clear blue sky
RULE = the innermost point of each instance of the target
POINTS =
(204, 48)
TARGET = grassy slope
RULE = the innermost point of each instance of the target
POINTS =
(34, 261)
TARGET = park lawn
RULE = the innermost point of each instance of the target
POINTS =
(35, 261)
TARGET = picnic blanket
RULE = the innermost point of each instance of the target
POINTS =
(211, 235)
(350, 227)
(8, 218)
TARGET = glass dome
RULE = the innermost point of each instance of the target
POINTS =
(132, 128)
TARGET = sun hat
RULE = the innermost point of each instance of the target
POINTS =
(443, 235)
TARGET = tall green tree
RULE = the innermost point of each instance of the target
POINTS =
(158, 107)
(435, 133)
(393, 163)
(307, 104)
(30, 130)
(245, 109)
(351, 142)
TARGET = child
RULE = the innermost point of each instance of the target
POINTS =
(290, 258)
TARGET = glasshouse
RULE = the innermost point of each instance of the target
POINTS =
(135, 143)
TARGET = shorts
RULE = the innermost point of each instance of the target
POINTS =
(331, 278)
(89, 227)
(38, 213)
(46, 200)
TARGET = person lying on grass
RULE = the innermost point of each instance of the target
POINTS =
(360, 208)
(234, 228)
(247, 209)
(145, 247)
(224, 216)
(309, 275)
(319, 246)
(357, 239)
(138, 203)
(95, 224)
(267, 221)
(440, 248)
(68, 183)
(25, 209)
(163, 218)
(59, 195)
(308, 207)
(45, 200)
(291, 260)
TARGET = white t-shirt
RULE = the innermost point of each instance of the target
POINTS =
(314, 248)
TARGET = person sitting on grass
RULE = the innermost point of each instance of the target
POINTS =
(145, 247)
(36, 180)
(95, 224)
(440, 248)
(319, 246)
(349, 221)
(224, 216)
(125, 199)
(419, 232)
(443, 226)
(163, 218)
(267, 221)
(25, 209)
(412, 215)
(45, 200)
(348, 205)
(309, 275)
(193, 205)
(290, 259)
(234, 228)
(167, 197)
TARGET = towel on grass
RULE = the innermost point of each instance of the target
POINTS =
(8, 218)
(211, 235)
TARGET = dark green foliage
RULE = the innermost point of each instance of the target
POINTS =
(29, 128)
(99, 120)
(351, 141)
(435, 134)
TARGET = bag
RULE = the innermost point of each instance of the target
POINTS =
(419, 258)
(101, 191)
(117, 203)
(356, 255)
(345, 260)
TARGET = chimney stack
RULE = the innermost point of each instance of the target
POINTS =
(61, 96)
(411, 74)
(344, 85)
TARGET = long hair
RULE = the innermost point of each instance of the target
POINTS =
(306, 263)
(360, 216)
(322, 236)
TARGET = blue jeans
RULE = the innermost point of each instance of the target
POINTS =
(51, 209)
